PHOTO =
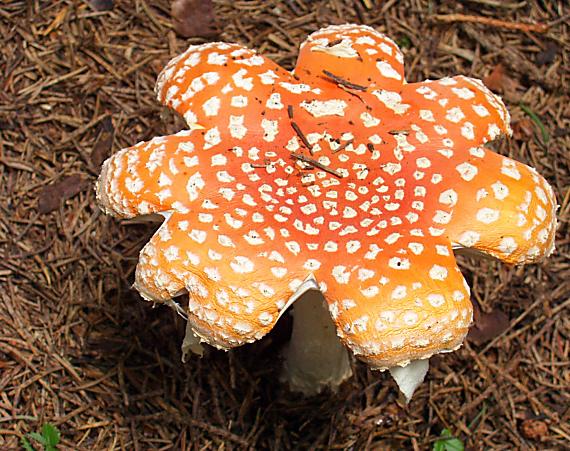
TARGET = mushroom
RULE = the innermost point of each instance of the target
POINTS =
(341, 179)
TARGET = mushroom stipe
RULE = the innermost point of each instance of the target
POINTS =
(371, 220)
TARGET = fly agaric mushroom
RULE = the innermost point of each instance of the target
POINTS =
(341, 178)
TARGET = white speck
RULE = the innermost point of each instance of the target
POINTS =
(477, 152)
(481, 110)
(468, 131)
(219, 160)
(340, 274)
(268, 78)
(240, 82)
(467, 171)
(387, 70)
(352, 246)
(198, 235)
(399, 292)
(493, 131)
(134, 185)
(237, 129)
(440, 249)
(211, 106)
(399, 263)
(212, 138)
(410, 318)
(541, 195)
(217, 59)
(205, 217)
(392, 168)
(265, 318)
(343, 49)
(242, 265)
(274, 102)
(416, 248)
(391, 100)
(271, 128)
(438, 272)
(458, 296)
(312, 264)
(469, 238)
(239, 101)
(171, 253)
(427, 115)
(370, 292)
(455, 115)
(508, 245)
(368, 120)
(501, 190)
(448, 197)
(195, 185)
(436, 300)
(293, 247)
(487, 215)
(463, 93)
(441, 217)
(320, 108)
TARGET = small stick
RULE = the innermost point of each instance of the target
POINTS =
(342, 81)
(315, 163)
(539, 28)
(343, 146)
(399, 132)
(266, 162)
(290, 111)
(302, 136)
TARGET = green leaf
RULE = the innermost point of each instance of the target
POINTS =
(37, 437)
(26, 444)
(448, 442)
(51, 434)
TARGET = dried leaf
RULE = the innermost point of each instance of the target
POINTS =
(496, 79)
(522, 129)
(534, 429)
(194, 18)
(102, 5)
(548, 55)
(487, 325)
(103, 142)
(51, 196)
(499, 81)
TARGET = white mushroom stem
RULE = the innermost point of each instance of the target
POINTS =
(409, 377)
(191, 343)
(314, 358)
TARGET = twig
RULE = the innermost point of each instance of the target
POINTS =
(449, 18)
(344, 82)
(343, 146)
(315, 163)
(302, 137)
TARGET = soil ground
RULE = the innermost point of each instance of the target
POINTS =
(79, 349)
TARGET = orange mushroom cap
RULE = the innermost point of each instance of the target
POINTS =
(342, 172)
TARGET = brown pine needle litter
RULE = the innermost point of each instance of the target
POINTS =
(80, 350)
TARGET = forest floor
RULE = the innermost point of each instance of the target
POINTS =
(80, 349)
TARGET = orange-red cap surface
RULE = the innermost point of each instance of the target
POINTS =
(342, 171)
